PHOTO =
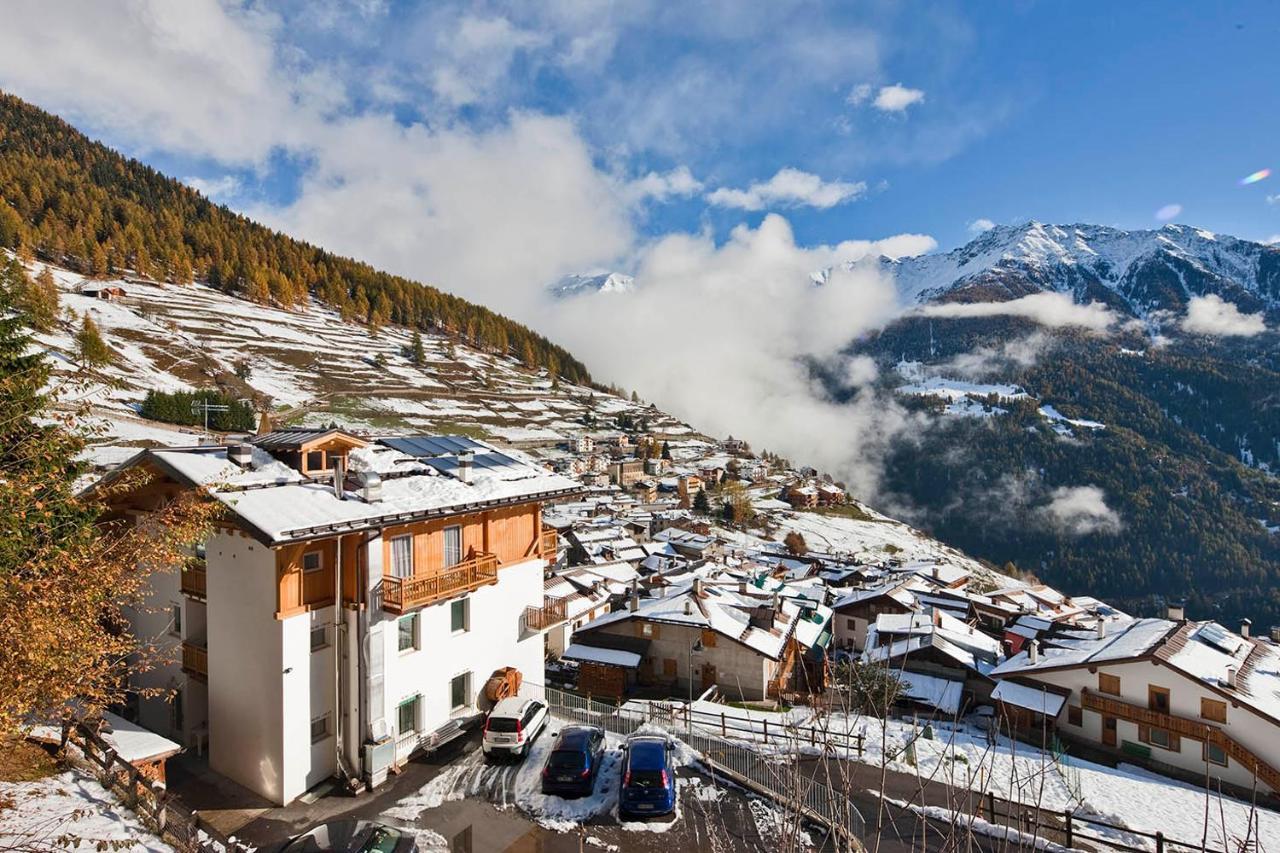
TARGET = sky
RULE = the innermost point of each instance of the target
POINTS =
(720, 150)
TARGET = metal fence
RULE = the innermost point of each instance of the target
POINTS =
(781, 779)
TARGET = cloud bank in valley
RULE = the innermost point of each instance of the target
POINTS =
(1212, 315)
(1048, 309)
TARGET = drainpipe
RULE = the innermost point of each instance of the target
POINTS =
(339, 649)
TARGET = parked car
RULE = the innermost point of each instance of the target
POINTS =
(512, 725)
(353, 836)
(648, 779)
(574, 762)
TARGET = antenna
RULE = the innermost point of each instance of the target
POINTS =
(197, 406)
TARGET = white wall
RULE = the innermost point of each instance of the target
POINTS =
(245, 665)
(307, 694)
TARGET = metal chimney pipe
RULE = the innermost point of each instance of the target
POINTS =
(465, 461)
(1244, 627)
(339, 476)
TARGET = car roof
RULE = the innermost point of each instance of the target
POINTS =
(647, 753)
(574, 737)
(513, 706)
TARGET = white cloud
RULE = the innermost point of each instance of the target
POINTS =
(896, 98)
(662, 186)
(473, 56)
(859, 94)
(1273, 199)
(1211, 315)
(747, 373)
(788, 188)
(978, 226)
(1272, 240)
(1168, 212)
(218, 189)
(1047, 309)
(1081, 510)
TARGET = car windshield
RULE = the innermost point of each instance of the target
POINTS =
(563, 760)
(502, 724)
(646, 778)
(381, 840)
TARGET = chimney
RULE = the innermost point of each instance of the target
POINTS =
(339, 475)
(688, 607)
(1231, 677)
(697, 587)
(1033, 652)
(937, 573)
(1275, 633)
(370, 486)
(1177, 611)
(241, 454)
(1244, 627)
(742, 590)
(634, 604)
(1102, 629)
(464, 465)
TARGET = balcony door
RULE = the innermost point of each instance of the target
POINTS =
(452, 546)
(1109, 731)
(402, 557)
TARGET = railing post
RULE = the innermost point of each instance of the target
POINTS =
(724, 727)
(766, 731)
(1066, 823)
(1159, 841)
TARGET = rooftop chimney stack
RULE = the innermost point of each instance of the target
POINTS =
(1102, 629)
(688, 607)
(1033, 652)
(1231, 677)
(339, 476)
(742, 588)
(370, 486)
(1177, 611)
(634, 604)
(465, 461)
(697, 587)
(241, 454)
(1244, 627)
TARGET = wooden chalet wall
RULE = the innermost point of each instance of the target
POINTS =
(509, 533)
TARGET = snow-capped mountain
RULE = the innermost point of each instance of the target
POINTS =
(605, 282)
(1135, 272)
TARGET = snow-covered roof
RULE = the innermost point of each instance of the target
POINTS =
(1032, 698)
(594, 654)
(1133, 640)
(133, 743)
(941, 693)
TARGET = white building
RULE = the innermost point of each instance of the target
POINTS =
(431, 547)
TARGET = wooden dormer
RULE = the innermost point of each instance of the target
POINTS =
(309, 451)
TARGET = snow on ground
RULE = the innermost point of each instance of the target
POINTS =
(1056, 418)
(957, 389)
(69, 811)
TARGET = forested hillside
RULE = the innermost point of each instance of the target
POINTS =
(81, 205)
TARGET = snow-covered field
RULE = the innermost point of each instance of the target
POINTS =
(69, 811)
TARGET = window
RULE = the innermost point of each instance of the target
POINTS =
(1158, 698)
(1109, 684)
(452, 545)
(1162, 738)
(1212, 709)
(850, 625)
(315, 460)
(1215, 754)
(1075, 715)
(319, 728)
(460, 615)
(407, 633)
(402, 557)
(319, 637)
(460, 691)
(312, 561)
(646, 629)
(407, 716)
(175, 611)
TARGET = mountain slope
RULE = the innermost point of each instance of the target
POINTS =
(82, 206)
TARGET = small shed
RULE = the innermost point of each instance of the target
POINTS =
(103, 290)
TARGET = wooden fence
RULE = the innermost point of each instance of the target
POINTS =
(164, 815)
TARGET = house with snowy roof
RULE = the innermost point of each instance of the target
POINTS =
(858, 610)
(739, 640)
(350, 606)
(1192, 698)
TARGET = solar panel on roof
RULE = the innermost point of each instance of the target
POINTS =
(427, 446)
(1219, 637)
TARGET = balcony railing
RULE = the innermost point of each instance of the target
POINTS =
(193, 579)
(552, 612)
(403, 594)
(1185, 727)
(548, 542)
(195, 660)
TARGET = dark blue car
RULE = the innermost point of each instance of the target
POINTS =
(648, 779)
(574, 761)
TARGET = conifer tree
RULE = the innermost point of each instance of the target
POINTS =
(416, 353)
(94, 351)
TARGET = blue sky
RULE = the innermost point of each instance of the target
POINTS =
(877, 119)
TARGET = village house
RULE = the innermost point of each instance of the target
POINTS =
(689, 486)
(801, 496)
(856, 612)
(350, 607)
(700, 635)
(626, 472)
(103, 290)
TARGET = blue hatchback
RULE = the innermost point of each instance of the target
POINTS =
(648, 779)
(574, 761)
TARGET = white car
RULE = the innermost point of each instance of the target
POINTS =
(512, 725)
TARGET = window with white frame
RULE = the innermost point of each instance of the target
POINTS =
(407, 633)
(312, 561)
(319, 637)
(407, 716)
(460, 615)
(460, 691)
(452, 545)
(402, 557)
(319, 728)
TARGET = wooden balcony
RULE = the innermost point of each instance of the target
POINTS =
(195, 660)
(1185, 727)
(548, 542)
(552, 612)
(193, 579)
(400, 595)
